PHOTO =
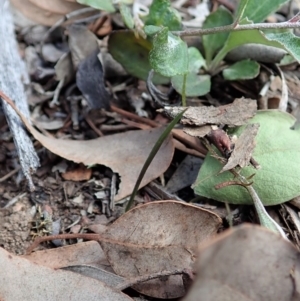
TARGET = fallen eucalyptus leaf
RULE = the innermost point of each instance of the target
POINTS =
(43, 283)
(264, 267)
(278, 153)
(124, 153)
(156, 237)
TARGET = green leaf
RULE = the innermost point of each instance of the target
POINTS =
(278, 153)
(196, 60)
(162, 14)
(240, 11)
(238, 38)
(288, 41)
(151, 30)
(126, 15)
(213, 42)
(196, 85)
(106, 5)
(132, 53)
(242, 70)
(258, 10)
(169, 55)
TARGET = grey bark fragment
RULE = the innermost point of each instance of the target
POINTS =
(234, 114)
(12, 72)
(243, 149)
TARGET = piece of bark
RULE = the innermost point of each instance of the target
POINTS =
(243, 148)
(199, 131)
(12, 72)
(234, 114)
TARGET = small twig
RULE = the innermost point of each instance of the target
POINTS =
(232, 27)
(155, 124)
(11, 173)
(92, 125)
(39, 240)
(134, 116)
(15, 200)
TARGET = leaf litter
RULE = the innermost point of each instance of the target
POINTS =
(114, 151)
(155, 238)
(242, 159)
(49, 284)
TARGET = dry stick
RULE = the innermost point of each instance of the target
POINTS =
(232, 27)
(155, 124)
(93, 127)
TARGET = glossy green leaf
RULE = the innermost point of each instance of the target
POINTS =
(258, 10)
(169, 55)
(278, 153)
(242, 70)
(162, 14)
(106, 5)
(196, 85)
(132, 53)
(213, 42)
(126, 15)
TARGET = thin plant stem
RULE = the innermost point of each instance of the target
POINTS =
(264, 218)
(183, 91)
(151, 156)
(233, 27)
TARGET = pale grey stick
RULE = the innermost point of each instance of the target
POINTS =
(12, 75)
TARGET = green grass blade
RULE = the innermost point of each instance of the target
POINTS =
(151, 156)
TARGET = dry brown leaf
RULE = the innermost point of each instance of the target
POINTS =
(124, 153)
(248, 263)
(78, 254)
(156, 237)
(81, 173)
(57, 6)
(34, 13)
(25, 280)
